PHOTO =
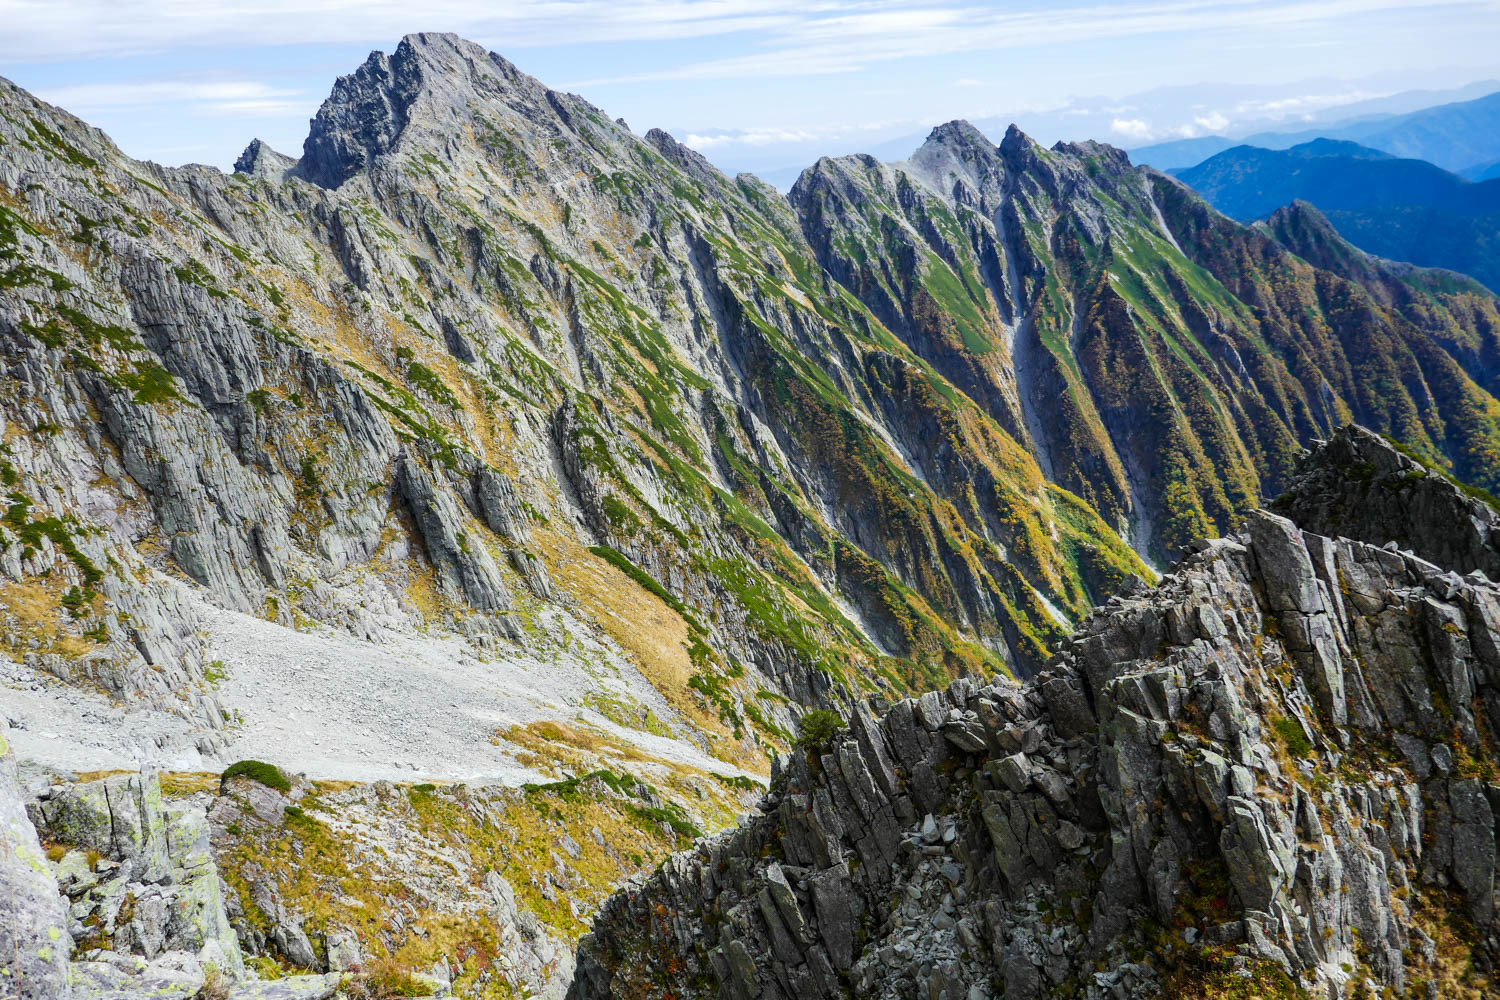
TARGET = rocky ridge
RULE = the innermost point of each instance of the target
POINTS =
(1270, 773)
(270, 886)
(1158, 360)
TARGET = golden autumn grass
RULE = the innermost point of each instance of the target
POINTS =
(655, 636)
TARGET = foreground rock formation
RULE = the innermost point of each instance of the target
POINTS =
(275, 887)
(34, 940)
(1270, 775)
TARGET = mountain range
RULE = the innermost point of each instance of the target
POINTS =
(1401, 209)
(1256, 109)
(501, 437)
(1460, 137)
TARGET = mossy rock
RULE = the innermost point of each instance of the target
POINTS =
(267, 774)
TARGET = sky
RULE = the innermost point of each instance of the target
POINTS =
(767, 85)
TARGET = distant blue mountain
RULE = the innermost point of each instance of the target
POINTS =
(1456, 137)
(1402, 209)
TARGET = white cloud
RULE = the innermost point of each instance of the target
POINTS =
(775, 136)
(1214, 121)
(1135, 129)
(794, 37)
(751, 137)
(1304, 105)
(822, 43)
(247, 97)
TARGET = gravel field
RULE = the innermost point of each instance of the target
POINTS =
(326, 704)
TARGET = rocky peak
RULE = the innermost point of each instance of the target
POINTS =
(1359, 485)
(957, 156)
(960, 137)
(836, 176)
(1016, 144)
(361, 119)
(1024, 158)
(368, 110)
(260, 160)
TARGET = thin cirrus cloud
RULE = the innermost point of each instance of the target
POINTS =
(789, 37)
(837, 41)
(776, 136)
(39, 30)
(246, 97)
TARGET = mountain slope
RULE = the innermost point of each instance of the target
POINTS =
(1160, 361)
(486, 363)
(1401, 209)
(1269, 776)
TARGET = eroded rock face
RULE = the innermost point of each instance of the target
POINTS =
(138, 876)
(1358, 486)
(1274, 764)
(34, 939)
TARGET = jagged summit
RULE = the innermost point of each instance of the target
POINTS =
(1358, 485)
(959, 161)
(367, 111)
(1015, 141)
(958, 134)
(430, 78)
(260, 160)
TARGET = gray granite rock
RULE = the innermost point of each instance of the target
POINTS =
(34, 939)
(1181, 762)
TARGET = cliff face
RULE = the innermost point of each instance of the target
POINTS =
(1273, 772)
(1361, 486)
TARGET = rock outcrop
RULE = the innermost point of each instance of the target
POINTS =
(144, 895)
(1275, 765)
(1359, 486)
(34, 941)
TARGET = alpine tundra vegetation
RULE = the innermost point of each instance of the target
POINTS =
(495, 540)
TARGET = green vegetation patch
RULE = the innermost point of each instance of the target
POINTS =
(267, 774)
(816, 729)
(1289, 732)
(17, 517)
(622, 562)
